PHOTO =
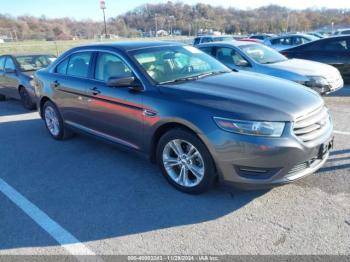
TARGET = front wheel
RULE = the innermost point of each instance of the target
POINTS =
(185, 161)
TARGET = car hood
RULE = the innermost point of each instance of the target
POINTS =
(304, 67)
(248, 96)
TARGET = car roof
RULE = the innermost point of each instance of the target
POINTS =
(230, 43)
(214, 36)
(290, 35)
(132, 45)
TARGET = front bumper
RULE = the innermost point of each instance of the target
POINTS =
(255, 162)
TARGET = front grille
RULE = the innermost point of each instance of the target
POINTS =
(312, 126)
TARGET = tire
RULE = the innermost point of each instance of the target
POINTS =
(54, 122)
(25, 99)
(185, 161)
(2, 98)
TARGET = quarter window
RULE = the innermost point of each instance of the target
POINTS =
(62, 67)
(9, 64)
(110, 66)
(79, 64)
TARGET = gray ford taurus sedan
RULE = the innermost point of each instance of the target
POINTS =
(188, 112)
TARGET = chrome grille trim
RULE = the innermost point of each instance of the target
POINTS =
(312, 126)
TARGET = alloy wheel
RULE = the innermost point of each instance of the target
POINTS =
(183, 163)
(52, 121)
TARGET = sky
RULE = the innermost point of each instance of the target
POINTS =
(81, 9)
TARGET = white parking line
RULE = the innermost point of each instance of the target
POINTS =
(19, 117)
(62, 236)
(341, 132)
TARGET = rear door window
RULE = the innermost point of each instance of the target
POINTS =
(79, 64)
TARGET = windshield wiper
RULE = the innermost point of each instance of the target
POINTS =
(182, 79)
(195, 77)
(272, 62)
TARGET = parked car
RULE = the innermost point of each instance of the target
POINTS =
(288, 41)
(344, 31)
(188, 112)
(211, 38)
(259, 58)
(334, 51)
(16, 73)
(261, 37)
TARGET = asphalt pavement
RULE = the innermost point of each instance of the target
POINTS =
(81, 195)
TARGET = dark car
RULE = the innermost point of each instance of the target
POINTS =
(16, 73)
(188, 112)
(334, 51)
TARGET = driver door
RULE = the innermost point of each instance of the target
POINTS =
(116, 112)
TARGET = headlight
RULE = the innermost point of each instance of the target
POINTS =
(317, 81)
(252, 128)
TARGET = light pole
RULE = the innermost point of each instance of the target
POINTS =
(156, 24)
(171, 20)
(103, 7)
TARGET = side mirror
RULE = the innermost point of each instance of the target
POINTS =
(130, 82)
(243, 63)
(10, 70)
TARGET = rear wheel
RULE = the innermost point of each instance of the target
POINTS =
(25, 98)
(54, 122)
(185, 161)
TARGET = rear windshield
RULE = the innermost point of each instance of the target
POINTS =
(34, 62)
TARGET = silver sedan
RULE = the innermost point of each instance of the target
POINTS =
(258, 58)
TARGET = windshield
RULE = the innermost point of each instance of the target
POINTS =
(34, 62)
(178, 63)
(262, 54)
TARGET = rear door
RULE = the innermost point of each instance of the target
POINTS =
(116, 112)
(70, 81)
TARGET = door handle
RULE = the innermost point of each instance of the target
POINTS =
(95, 91)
